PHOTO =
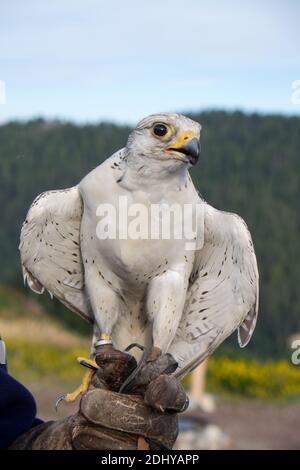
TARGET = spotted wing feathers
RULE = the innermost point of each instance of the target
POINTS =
(223, 291)
(50, 248)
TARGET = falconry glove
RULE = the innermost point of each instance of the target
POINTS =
(115, 421)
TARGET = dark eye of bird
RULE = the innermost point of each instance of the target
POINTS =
(160, 130)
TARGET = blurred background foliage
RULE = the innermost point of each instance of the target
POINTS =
(249, 164)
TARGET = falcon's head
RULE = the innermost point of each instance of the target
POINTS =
(166, 138)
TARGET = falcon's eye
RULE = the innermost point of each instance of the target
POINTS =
(160, 130)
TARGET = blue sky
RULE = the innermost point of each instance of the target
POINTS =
(90, 60)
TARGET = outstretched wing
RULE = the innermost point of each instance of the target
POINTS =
(50, 248)
(223, 291)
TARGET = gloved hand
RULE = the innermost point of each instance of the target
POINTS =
(115, 421)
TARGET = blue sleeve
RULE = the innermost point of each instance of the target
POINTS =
(17, 409)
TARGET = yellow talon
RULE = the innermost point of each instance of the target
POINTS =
(88, 363)
(84, 386)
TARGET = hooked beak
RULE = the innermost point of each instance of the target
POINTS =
(188, 146)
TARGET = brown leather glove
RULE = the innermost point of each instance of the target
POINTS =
(108, 420)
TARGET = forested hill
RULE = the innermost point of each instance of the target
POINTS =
(250, 164)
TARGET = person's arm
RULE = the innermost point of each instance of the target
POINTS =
(17, 405)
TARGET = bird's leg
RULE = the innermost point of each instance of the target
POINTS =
(84, 386)
(115, 365)
(165, 303)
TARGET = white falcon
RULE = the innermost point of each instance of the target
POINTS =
(156, 292)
